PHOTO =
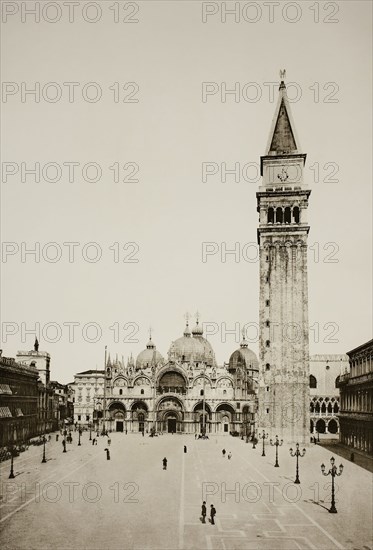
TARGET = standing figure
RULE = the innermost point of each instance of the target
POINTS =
(229, 455)
(203, 512)
(107, 454)
(223, 452)
(212, 514)
(185, 448)
(164, 461)
(64, 446)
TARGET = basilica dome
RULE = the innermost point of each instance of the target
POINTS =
(192, 347)
(148, 356)
(244, 357)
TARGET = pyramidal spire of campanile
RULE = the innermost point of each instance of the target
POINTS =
(283, 139)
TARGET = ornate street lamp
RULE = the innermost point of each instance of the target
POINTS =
(12, 455)
(333, 472)
(44, 460)
(298, 454)
(263, 437)
(277, 444)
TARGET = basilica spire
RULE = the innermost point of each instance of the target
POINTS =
(283, 139)
(187, 332)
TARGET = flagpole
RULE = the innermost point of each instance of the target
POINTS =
(104, 415)
(203, 402)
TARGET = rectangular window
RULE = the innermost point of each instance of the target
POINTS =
(79, 417)
(238, 405)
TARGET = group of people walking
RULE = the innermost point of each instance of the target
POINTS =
(224, 453)
(212, 513)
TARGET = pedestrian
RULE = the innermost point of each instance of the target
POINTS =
(185, 448)
(109, 441)
(203, 512)
(212, 514)
(164, 463)
(57, 435)
(107, 454)
(93, 441)
(229, 455)
(195, 436)
(64, 446)
(223, 452)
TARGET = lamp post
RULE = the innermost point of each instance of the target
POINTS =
(90, 431)
(333, 472)
(298, 454)
(44, 460)
(263, 437)
(277, 444)
(64, 440)
(12, 454)
(80, 433)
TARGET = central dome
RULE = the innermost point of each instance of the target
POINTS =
(194, 348)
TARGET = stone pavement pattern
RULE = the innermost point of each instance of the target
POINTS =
(79, 500)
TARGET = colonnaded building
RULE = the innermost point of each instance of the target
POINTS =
(186, 393)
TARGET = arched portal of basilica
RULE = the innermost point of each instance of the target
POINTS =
(170, 415)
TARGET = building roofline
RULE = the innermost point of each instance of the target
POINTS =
(92, 371)
(362, 346)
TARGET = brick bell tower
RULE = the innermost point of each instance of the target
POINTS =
(283, 302)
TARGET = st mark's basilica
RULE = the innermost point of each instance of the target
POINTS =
(186, 393)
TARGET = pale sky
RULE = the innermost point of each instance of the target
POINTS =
(169, 133)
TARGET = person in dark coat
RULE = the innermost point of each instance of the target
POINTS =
(185, 448)
(223, 452)
(107, 454)
(164, 463)
(203, 512)
(212, 514)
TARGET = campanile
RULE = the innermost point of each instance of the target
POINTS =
(282, 201)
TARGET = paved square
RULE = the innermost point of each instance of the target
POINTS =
(80, 500)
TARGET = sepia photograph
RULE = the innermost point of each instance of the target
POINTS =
(186, 355)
